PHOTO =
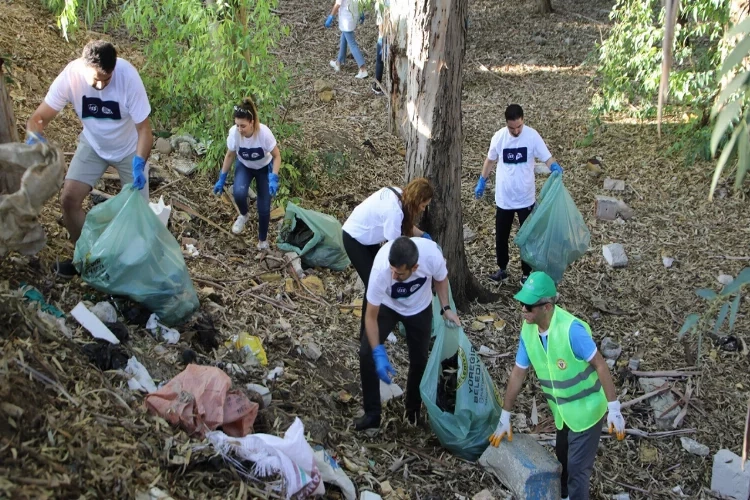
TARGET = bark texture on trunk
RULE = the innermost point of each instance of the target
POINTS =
(426, 104)
(8, 132)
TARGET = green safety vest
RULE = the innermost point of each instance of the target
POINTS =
(572, 387)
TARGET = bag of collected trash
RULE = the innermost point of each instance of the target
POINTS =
(471, 394)
(555, 235)
(291, 457)
(29, 176)
(125, 250)
(199, 400)
(333, 473)
(314, 236)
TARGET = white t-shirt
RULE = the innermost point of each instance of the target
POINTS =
(514, 185)
(413, 295)
(255, 151)
(377, 219)
(109, 115)
(348, 14)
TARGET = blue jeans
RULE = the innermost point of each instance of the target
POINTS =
(242, 178)
(347, 37)
(379, 60)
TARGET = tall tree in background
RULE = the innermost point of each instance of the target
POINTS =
(426, 43)
(8, 132)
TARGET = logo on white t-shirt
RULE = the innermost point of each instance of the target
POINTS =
(93, 107)
(400, 290)
(515, 155)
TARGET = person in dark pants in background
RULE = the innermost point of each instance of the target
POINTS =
(400, 289)
(380, 7)
(513, 148)
(383, 216)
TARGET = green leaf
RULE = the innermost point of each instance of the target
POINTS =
(731, 88)
(741, 279)
(721, 317)
(725, 154)
(690, 322)
(735, 57)
(733, 314)
(743, 155)
(706, 293)
(727, 115)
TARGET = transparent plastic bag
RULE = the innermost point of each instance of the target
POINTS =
(124, 249)
(555, 235)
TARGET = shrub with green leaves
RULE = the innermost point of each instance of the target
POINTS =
(630, 58)
(202, 58)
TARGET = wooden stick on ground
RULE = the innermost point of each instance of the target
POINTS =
(670, 373)
(682, 396)
(165, 186)
(681, 416)
(181, 206)
(646, 396)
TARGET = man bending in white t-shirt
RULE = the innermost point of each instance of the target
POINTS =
(110, 100)
(400, 289)
(513, 148)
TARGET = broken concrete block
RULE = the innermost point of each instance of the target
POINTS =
(525, 467)
(634, 364)
(727, 476)
(614, 184)
(184, 165)
(312, 351)
(321, 86)
(621, 496)
(694, 447)
(660, 403)
(163, 146)
(469, 235)
(608, 208)
(614, 254)
(185, 149)
(610, 349)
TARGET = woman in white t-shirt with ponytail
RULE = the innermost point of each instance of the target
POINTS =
(252, 148)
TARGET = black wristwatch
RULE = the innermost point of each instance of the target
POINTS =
(445, 308)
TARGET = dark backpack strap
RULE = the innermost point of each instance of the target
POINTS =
(398, 195)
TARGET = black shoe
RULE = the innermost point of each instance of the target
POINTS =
(376, 88)
(366, 422)
(524, 277)
(500, 275)
(65, 269)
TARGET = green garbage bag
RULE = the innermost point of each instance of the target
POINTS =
(314, 236)
(463, 432)
(555, 235)
(125, 250)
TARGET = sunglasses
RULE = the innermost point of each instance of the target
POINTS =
(243, 112)
(530, 307)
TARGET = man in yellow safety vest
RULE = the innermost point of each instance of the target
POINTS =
(575, 380)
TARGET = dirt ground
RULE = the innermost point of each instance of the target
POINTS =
(98, 440)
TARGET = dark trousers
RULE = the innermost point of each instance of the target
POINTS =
(503, 223)
(379, 60)
(243, 176)
(362, 258)
(418, 330)
(576, 451)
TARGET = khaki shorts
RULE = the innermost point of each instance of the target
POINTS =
(88, 167)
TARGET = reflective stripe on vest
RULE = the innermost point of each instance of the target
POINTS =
(571, 386)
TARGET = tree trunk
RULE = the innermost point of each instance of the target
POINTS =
(8, 132)
(430, 121)
(544, 6)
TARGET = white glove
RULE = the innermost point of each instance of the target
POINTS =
(615, 420)
(503, 429)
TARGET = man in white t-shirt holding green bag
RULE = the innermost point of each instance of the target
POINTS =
(513, 148)
(108, 96)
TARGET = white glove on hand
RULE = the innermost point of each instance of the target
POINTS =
(615, 420)
(503, 429)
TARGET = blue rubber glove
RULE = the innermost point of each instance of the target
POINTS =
(555, 167)
(273, 184)
(427, 235)
(479, 190)
(219, 186)
(362, 18)
(382, 365)
(329, 20)
(139, 180)
(34, 138)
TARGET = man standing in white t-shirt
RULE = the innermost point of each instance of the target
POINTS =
(400, 290)
(109, 97)
(513, 148)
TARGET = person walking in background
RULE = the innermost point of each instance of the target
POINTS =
(513, 148)
(574, 378)
(384, 216)
(348, 12)
(253, 150)
(109, 98)
(380, 7)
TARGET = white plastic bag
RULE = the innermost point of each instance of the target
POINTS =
(161, 210)
(170, 335)
(140, 378)
(333, 474)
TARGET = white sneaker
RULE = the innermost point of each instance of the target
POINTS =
(362, 74)
(239, 224)
(335, 65)
(263, 245)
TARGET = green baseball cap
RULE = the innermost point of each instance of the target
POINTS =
(538, 286)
